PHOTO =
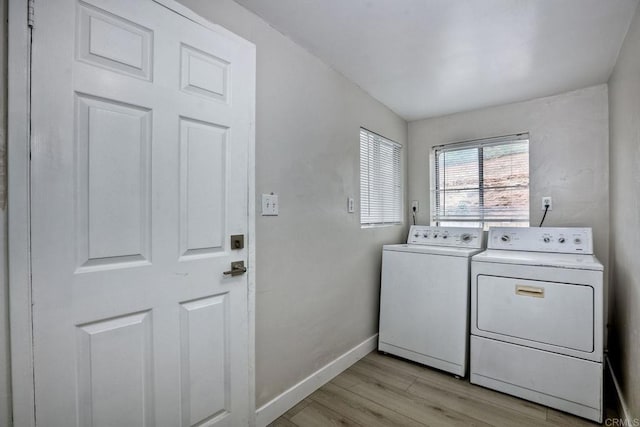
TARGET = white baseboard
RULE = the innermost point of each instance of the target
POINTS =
(622, 405)
(287, 400)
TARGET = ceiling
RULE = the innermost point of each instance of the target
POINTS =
(426, 58)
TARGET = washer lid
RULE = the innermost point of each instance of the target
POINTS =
(432, 250)
(575, 261)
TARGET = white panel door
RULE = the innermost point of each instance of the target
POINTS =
(141, 122)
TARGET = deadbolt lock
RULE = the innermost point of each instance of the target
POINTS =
(237, 241)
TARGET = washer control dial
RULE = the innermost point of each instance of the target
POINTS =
(466, 237)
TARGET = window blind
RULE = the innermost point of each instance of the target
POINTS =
(380, 180)
(483, 182)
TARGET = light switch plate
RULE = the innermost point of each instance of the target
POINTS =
(351, 205)
(270, 204)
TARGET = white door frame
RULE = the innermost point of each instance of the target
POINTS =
(18, 176)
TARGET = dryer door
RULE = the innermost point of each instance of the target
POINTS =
(558, 314)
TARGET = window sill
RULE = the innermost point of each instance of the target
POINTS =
(391, 224)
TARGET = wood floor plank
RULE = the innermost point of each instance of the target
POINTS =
(346, 380)
(282, 422)
(317, 415)
(297, 408)
(475, 408)
(359, 409)
(413, 406)
(461, 386)
(558, 418)
(396, 379)
(363, 377)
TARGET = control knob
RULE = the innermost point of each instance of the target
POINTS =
(561, 240)
(505, 238)
(546, 239)
(465, 237)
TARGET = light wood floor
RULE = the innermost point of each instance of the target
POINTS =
(381, 390)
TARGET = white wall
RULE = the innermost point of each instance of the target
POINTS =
(624, 109)
(5, 380)
(568, 155)
(318, 273)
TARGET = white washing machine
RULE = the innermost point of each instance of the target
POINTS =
(537, 318)
(424, 300)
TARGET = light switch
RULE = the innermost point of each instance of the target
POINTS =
(270, 204)
(350, 205)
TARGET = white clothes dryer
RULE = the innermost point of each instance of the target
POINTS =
(424, 299)
(537, 318)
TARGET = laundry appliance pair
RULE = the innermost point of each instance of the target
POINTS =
(525, 315)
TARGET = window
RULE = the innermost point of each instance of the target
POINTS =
(482, 183)
(380, 180)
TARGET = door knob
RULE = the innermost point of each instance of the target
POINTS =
(237, 268)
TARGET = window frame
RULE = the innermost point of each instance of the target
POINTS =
(480, 144)
(397, 184)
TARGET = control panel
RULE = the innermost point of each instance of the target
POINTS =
(564, 240)
(446, 236)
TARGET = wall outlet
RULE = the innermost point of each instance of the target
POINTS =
(270, 205)
(351, 205)
(546, 200)
(415, 206)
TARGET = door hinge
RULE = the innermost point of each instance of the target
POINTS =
(30, 13)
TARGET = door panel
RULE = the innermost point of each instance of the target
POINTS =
(115, 371)
(204, 74)
(113, 183)
(139, 176)
(110, 41)
(203, 158)
(205, 359)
